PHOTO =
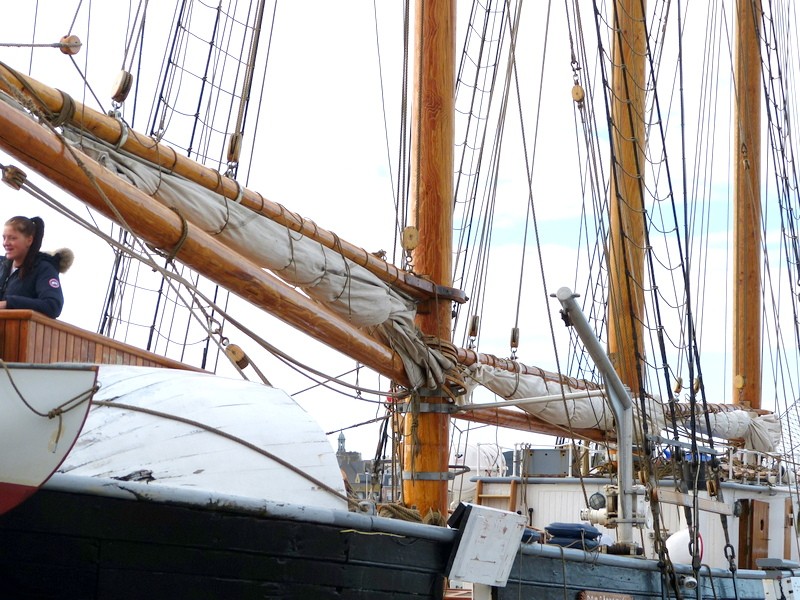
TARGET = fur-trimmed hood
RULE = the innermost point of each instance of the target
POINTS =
(61, 258)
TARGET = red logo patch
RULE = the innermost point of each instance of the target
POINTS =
(54, 283)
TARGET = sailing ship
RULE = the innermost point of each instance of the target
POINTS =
(191, 484)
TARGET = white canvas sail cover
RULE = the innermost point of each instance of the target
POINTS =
(325, 275)
(590, 412)
(160, 443)
(759, 432)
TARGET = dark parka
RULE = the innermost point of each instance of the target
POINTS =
(39, 290)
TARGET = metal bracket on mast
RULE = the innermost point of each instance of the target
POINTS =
(440, 293)
(435, 475)
(427, 407)
(621, 405)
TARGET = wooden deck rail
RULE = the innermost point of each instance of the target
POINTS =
(29, 337)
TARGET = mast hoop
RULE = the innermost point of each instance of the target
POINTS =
(427, 407)
(433, 475)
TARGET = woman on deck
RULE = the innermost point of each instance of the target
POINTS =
(28, 277)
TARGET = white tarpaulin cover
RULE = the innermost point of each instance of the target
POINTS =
(122, 443)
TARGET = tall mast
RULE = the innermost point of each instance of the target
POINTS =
(426, 452)
(747, 209)
(626, 238)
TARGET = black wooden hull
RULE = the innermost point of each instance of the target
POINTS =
(62, 544)
(80, 538)
(545, 572)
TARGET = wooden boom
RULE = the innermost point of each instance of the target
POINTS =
(113, 131)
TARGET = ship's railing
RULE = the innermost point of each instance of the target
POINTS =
(758, 468)
(29, 337)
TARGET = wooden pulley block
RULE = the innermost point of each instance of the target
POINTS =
(70, 45)
(14, 176)
(234, 148)
(410, 238)
(122, 87)
(578, 95)
(237, 355)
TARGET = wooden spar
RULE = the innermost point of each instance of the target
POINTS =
(470, 357)
(747, 209)
(42, 150)
(426, 451)
(110, 130)
(626, 224)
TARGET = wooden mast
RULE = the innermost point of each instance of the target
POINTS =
(626, 236)
(747, 209)
(426, 452)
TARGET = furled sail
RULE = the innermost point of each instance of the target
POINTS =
(760, 432)
(587, 412)
(325, 275)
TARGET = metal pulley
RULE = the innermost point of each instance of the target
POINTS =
(122, 87)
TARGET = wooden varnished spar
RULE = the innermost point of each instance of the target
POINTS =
(425, 444)
(626, 206)
(112, 131)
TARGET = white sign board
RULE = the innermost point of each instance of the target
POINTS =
(488, 543)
